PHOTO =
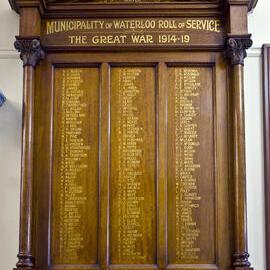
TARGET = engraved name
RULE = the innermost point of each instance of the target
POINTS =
(74, 153)
(187, 94)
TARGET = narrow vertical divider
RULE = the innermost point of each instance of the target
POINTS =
(161, 166)
(104, 167)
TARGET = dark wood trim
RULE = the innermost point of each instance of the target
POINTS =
(38, 123)
(235, 53)
(45, 6)
(266, 104)
(252, 4)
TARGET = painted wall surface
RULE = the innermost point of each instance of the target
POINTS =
(10, 134)
(259, 27)
(10, 137)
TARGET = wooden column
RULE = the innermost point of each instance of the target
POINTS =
(236, 52)
(30, 53)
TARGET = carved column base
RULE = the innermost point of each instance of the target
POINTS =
(244, 268)
(25, 262)
(241, 261)
(24, 268)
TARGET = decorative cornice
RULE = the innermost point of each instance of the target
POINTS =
(252, 4)
(7, 53)
(254, 52)
(42, 5)
(18, 4)
(30, 50)
(235, 48)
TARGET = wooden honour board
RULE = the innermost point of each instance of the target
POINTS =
(138, 138)
(136, 161)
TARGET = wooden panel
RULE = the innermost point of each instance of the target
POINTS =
(154, 92)
(191, 188)
(129, 161)
(133, 179)
(150, 32)
(75, 173)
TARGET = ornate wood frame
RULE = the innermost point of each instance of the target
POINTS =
(266, 104)
(83, 5)
(31, 52)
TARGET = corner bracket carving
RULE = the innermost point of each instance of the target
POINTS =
(30, 50)
(235, 48)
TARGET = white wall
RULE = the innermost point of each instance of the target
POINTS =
(259, 27)
(10, 125)
(254, 151)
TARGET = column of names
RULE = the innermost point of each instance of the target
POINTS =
(130, 189)
(186, 111)
(74, 157)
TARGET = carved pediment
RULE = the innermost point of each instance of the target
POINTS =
(15, 3)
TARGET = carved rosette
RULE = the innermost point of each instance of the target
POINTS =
(236, 47)
(30, 51)
(241, 260)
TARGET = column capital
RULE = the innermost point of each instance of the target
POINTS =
(30, 49)
(235, 48)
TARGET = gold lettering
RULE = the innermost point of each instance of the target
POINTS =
(187, 94)
(134, 24)
(50, 27)
(167, 24)
(74, 153)
(109, 39)
(75, 40)
(207, 25)
(142, 39)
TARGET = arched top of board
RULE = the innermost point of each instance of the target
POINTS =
(52, 6)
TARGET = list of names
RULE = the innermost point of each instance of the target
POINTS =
(186, 111)
(74, 157)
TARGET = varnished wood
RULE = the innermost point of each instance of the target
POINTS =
(104, 166)
(162, 170)
(95, 58)
(26, 223)
(30, 53)
(43, 4)
(134, 154)
(239, 166)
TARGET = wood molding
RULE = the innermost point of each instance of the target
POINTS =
(6, 53)
(235, 53)
(84, 66)
(266, 103)
(45, 5)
